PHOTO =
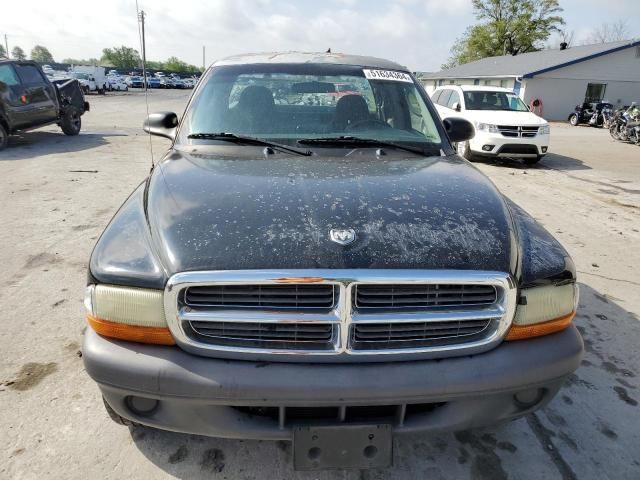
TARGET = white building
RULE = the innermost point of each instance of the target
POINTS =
(560, 79)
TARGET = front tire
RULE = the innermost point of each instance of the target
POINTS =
(4, 137)
(613, 131)
(573, 120)
(71, 121)
(115, 417)
(464, 150)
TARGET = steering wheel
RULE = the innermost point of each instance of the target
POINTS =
(367, 122)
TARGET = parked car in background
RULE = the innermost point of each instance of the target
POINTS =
(178, 83)
(96, 74)
(189, 82)
(504, 126)
(135, 82)
(328, 275)
(29, 100)
(153, 82)
(86, 81)
(117, 83)
(594, 114)
(343, 89)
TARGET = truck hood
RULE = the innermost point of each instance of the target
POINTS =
(501, 117)
(218, 212)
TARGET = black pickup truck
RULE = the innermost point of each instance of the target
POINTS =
(323, 269)
(29, 100)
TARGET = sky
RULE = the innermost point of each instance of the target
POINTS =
(416, 33)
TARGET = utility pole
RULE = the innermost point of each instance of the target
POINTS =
(6, 44)
(203, 59)
(141, 17)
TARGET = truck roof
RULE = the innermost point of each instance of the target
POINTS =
(309, 57)
(482, 88)
(13, 60)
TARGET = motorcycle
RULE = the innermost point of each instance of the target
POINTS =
(607, 115)
(625, 124)
(591, 113)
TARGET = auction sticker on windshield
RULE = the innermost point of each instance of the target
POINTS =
(387, 75)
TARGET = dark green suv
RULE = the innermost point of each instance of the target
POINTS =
(29, 100)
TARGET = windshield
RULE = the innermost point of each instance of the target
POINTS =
(488, 100)
(80, 76)
(288, 103)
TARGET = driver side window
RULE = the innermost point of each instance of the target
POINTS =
(8, 76)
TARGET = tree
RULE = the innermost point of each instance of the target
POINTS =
(3, 51)
(81, 61)
(609, 32)
(506, 27)
(174, 64)
(18, 53)
(41, 54)
(121, 57)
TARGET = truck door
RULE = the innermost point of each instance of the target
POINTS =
(11, 91)
(38, 94)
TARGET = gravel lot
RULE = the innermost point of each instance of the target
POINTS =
(60, 192)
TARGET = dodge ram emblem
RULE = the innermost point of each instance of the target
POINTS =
(342, 236)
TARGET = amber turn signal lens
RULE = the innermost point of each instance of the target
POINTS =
(520, 332)
(132, 333)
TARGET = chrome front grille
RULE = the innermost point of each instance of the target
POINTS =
(421, 296)
(298, 297)
(313, 336)
(339, 315)
(518, 131)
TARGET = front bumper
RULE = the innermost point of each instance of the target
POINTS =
(513, 147)
(217, 398)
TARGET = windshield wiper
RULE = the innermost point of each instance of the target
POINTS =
(233, 138)
(359, 141)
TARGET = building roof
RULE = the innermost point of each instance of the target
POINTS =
(310, 57)
(528, 65)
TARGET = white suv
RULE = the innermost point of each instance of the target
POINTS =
(504, 125)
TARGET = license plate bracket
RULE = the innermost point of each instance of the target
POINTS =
(342, 447)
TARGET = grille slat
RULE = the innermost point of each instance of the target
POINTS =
(414, 335)
(261, 296)
(265, 335)
(422, 326)
(517, 131)
(423, 296)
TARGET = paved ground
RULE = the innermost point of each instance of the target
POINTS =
(58, 193)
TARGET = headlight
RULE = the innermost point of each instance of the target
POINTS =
(545, 129)
(135, 314)
(548, 309)
(487, 127)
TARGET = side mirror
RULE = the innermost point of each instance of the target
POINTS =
(456, 107)
(163, 124)
(458, 129)
(3, 86)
